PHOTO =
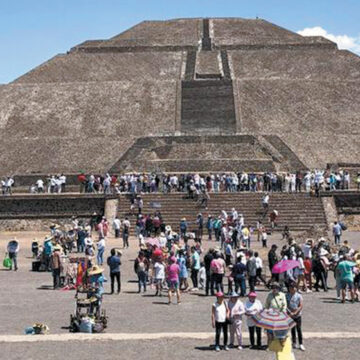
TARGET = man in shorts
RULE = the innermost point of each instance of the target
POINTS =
(345, 270)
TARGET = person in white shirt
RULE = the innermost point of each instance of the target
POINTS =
(219, 314)
(202, 276)
(234, 215)
(259, 268)
(159, 270)
(40, 186)
(252, 307)
(116, 226)
(62, 181)
(8, 185)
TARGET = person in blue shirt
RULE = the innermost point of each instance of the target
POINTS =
(114, 263)
(48, 250)
(337, 231)
(183, 275)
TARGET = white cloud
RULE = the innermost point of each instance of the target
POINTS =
(343, 41)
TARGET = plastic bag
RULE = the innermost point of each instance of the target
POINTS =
(7, 263)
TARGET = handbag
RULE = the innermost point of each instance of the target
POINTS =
(7, 263)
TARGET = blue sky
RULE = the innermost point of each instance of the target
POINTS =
(32, 31)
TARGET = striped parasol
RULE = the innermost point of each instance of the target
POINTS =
(272, 319)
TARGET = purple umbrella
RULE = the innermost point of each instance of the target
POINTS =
(285, 265)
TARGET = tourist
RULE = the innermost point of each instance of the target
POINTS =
(219, 316)
(159, 269)
(183, 228)
(141, 268)
(239, 276)
(114, 263)
(236, 311)
(259, 268)
(56, 266)
(272, 260)
(345, 270)
(276, 299)
(251, 270)
(172, 278)
(100, 248)
(200, 224)
(183, 274)
(218, 268)
(209, 227)
(80, 241)
(208, 258)
(195, 267)
(13, 248)
(252, 307)
(202, 276)
(117, 226)
(337, 231)
(126, 232)
(294, 310)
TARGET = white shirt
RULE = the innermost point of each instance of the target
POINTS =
(88, 241)
(101, 244)
(252, 309)
(40, 183)
(220, 311)
(259, 263)
(117, 224)
(62, 179)
(159, 271)
(126, 224)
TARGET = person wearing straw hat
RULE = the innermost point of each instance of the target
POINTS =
(237, 310)
(252, 307)
(219, 315)
(97, 281)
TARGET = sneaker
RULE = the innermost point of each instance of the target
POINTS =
(217, 348)
(294, 346)
(302, 347)
(240, 347)
(308, 291)
(226, 348)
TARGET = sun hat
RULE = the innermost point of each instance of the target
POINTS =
(219, 294)
(57, 248)
(252, 294)
(95, 270)
(275, 285)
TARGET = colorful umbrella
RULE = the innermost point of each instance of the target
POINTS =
(272, 319)
(152, 241)
(285, 265)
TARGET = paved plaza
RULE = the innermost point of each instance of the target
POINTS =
(138, 321)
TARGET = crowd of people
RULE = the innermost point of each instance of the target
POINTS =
(168, 259)
(195, 184)
(316, 180)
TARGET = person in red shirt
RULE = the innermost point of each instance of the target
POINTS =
(308, 270)
(82, 181)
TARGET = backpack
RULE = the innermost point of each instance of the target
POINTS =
(343, 226)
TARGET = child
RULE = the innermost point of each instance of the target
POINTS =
(202, 276)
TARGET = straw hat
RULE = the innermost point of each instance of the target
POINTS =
(95, 270)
